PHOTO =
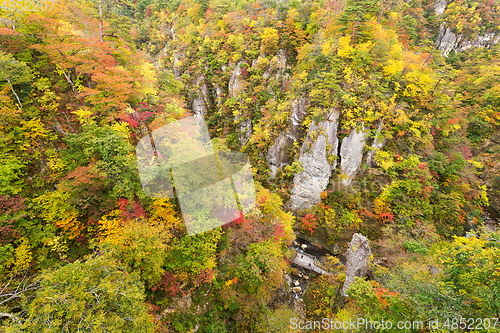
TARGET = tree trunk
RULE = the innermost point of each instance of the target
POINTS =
(100, 22)
(68, 78)
(17, 97)
(279, 9)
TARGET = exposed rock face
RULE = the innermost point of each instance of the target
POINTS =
(218, 93)
(298, 113)
(378, 143)
(281, 61)
(202, 102)
(351, 153)
(277, 64)
(177, 71)
(172, 32)
(199, 107)
(288, 280)
(440, 7)
(277, 156)
(316, 164)
(448, 41)
(276, 72)
(357, 255)
(235, 86)
(486, 40)
(246, 131)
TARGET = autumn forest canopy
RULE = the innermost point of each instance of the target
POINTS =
(358, 116)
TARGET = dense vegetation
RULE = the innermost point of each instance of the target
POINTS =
(82, 248)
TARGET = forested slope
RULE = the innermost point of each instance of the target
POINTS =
(376, 117)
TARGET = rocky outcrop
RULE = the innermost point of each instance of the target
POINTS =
(351, 154)
(235, 85)
(487, 40)
(278, 155)
(202, 101)
(277, 64)
(357, 255)
(378, 143)
(439, 7)
(246, 130)
(447, 41)
(317, 163)
(276, 72)
(218, 94)
(281, 61)
(177, 71)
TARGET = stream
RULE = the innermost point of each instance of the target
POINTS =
(302, 278)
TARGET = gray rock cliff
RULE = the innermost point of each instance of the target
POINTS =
(277, 156)
(316, 159)
(440, 7)
(378, 143)
(351, 153)
(447, 41)
(202, 102)
(235, 86)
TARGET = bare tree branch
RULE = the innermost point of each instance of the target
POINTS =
(26, 285)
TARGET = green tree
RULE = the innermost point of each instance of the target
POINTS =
(13, 72)
(140, 246)
(96, 295)
(109, 146)
(355, 14)
(472, 270)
